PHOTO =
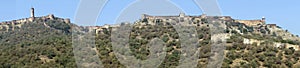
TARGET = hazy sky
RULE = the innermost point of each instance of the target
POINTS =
(284, 13)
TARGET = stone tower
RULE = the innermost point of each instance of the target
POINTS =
(31, 19)
(32, 12)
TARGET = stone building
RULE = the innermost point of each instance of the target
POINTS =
(67, 20)
(253, 22)
(271, 25)
(180, 19)
(51, 16)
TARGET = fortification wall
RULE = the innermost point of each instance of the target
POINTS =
(251, 22)
(11, 25)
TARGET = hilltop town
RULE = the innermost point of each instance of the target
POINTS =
(249, 43)
(233, 26)
(243, 38)
(258, 26)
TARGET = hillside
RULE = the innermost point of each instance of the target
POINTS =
(250, 44)
(37, 43)
(47, 42)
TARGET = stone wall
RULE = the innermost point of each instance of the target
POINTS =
(251, 22)
(276, 44)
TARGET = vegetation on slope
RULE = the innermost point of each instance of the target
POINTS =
(35, 45)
